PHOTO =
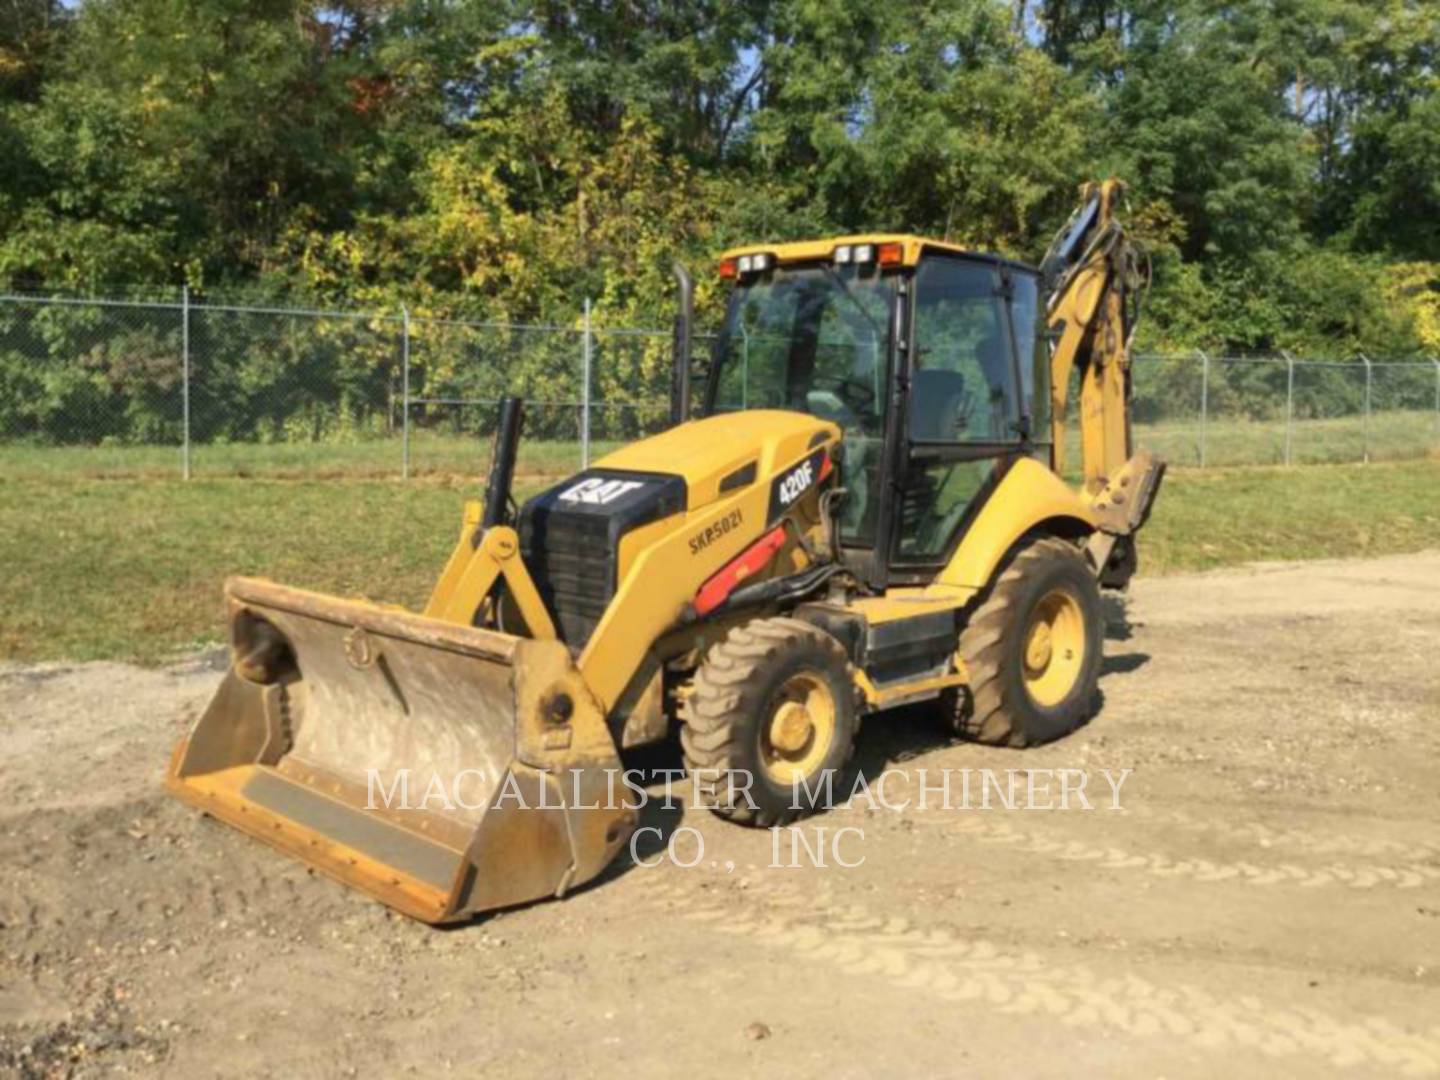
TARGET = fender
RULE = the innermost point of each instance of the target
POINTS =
(1029, 495)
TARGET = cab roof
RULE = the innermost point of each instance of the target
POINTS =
(911, 246)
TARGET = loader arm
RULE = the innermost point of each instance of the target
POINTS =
(483, 556)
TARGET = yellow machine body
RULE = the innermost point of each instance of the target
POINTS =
(466, 758)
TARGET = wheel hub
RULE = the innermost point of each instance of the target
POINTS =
(1040, 647)
(1054, 647)
(798, 734)
(791, 727)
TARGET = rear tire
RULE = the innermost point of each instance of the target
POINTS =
(774, 704)
(1033, 649)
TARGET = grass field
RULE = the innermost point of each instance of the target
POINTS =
(1393, 435)
(110, 567)
(430, 455)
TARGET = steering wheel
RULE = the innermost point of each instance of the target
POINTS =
(854, 394)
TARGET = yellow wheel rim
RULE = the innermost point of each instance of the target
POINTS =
(797, 734)
(1054, 647)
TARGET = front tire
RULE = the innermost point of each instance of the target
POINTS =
(1033, 649)
(771, 712)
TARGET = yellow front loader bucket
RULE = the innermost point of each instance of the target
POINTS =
(443, 769)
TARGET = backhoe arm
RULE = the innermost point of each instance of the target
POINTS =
(1094, 279)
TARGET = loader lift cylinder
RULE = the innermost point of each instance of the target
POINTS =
(502, 462)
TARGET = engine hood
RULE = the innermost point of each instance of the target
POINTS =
(719, 449)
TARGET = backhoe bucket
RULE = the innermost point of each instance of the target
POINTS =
(443, 769)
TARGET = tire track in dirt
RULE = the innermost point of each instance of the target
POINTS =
(1407, 875)
(942, 965)
(1308, 843)
(79, 873)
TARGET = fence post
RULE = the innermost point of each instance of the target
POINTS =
(1365, 427)
(585, 360)
(1436, 362)
(185, 381)
(1204, 401)
(404, 392)
(1289, 399)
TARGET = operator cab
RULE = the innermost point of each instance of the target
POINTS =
(927, 357)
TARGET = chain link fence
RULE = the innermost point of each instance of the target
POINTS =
(121, 386)
(1204, 410)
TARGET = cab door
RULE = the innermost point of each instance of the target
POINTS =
(967, 406)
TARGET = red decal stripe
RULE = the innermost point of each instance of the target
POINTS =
(714, 592)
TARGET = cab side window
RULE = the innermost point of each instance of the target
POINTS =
(963, 385)
(1034, 355)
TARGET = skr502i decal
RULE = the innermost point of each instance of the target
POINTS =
(708, 535)
(794, 482)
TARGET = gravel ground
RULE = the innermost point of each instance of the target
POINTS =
(1268, 898)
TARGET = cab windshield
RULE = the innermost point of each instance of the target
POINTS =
(815, 339)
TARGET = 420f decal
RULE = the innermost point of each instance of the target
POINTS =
(794, 482)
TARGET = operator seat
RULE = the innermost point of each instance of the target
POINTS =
(937, 406)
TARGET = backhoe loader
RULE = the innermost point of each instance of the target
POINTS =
(862, 506)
